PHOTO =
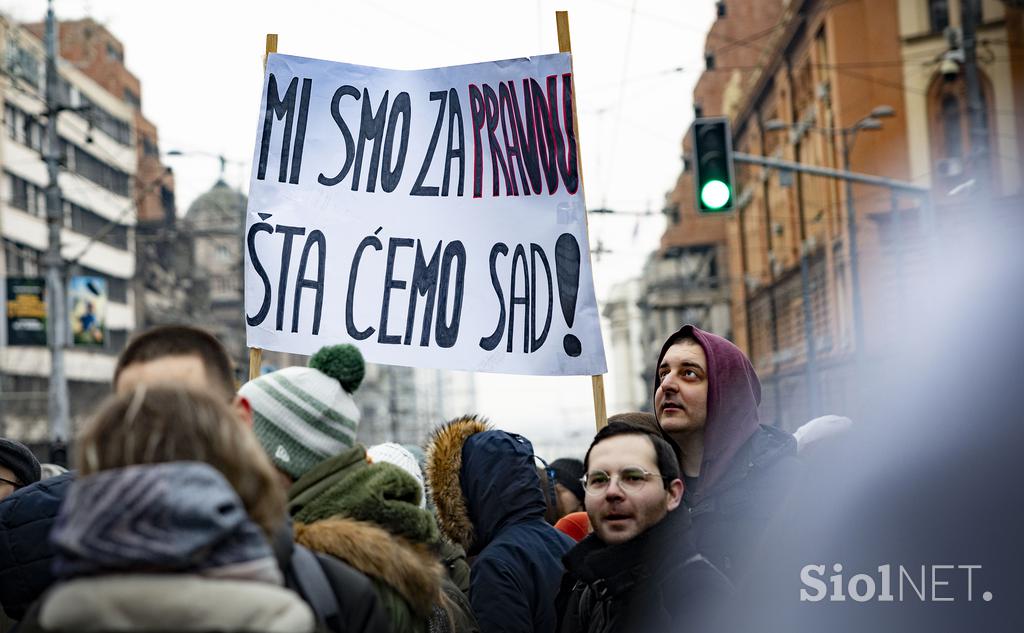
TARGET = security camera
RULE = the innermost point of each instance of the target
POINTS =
(949, 67)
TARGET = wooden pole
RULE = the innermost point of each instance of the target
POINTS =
(565, 46)
(256, 353)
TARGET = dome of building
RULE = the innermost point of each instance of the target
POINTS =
(221, 206)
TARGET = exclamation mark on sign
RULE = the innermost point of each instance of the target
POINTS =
(567, 270)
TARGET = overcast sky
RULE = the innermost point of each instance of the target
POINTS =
(635, 64)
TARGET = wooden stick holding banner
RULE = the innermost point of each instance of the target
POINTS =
(256, 353)
(565, 46)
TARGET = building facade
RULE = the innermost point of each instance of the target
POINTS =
(876, 87)
(99, 162)
(688, 278)
(163, 251)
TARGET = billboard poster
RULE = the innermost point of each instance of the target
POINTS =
(26, 311)
(88, 313)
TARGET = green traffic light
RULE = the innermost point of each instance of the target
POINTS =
(715, 194)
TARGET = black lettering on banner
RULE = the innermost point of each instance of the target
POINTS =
(566, 160)
(283, 108)
(286, 257)
(371, 128)
(344, 91)
(417, 188)
(537, 340)
(315, 238)
(448, 330)
(524, 300)
(389, 177)
(476, 111)
(497, 157)
(509, 119)
(391, 283)
(454, 112)
(528, 140)
(350, 325)
(544, 145)
(250, 239)
(567, 272)
(489, 343)
(424, 284)
(300, 130)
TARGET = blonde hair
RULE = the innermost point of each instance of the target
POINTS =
(158, 424)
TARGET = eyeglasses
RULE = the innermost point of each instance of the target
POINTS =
(631, 479)
(13, 484)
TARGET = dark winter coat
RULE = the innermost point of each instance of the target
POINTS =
(368, 515)
(358, 609)
(26, 555)
(747, 468)
(728, 523)
(162, 547)
(488, 497)
(656, 582)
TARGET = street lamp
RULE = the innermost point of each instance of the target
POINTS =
(847, 136)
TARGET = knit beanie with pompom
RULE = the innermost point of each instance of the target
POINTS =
(303, 415)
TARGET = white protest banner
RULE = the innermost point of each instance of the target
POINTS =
(432, 218)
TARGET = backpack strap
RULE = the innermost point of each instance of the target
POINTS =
(316, 588)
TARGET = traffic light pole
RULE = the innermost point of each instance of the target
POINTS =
(841, 174)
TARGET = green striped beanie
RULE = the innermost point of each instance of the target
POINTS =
(304, 415)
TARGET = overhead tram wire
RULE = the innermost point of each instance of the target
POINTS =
(607, 181)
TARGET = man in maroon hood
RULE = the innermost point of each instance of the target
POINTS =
(736, 471)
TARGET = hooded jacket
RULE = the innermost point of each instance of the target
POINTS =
(747, 468)
(368, 516)
(656, 581)
(26, 518)
(488, 498)
(147, 548)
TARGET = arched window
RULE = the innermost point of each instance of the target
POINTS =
(949, 125)
(952, 127)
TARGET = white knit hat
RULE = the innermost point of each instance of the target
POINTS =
(304, 415)
(398, 455)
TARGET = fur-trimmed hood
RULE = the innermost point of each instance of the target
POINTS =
(481, 481)
(413, 571)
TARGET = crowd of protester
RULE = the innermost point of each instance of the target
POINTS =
(194, 505)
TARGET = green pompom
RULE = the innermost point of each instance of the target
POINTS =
(341, 362)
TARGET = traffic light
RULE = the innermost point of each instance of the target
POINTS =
(712, 165)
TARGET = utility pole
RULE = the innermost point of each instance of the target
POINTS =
(58, 409)
(976, 116)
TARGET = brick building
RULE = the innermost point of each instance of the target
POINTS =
(687, 279)
(808, 70)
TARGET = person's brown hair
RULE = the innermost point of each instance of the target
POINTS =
(181, 340)
(647, 422)
(158, 424)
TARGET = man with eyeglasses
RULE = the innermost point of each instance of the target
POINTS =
(18, 467)
(639, 570)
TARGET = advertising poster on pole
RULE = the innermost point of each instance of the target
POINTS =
(87, 296)
(26, 311)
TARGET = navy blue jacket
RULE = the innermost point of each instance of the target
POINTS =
(26, 518)
(515, 576)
